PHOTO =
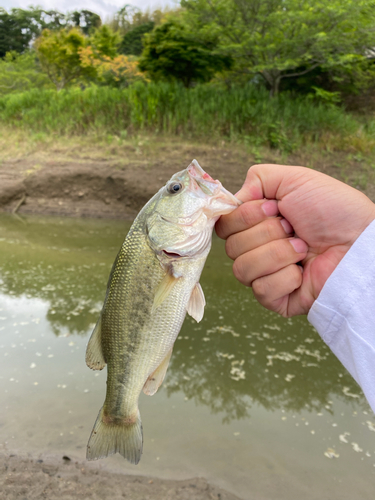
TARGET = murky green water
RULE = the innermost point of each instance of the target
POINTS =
(253, 402)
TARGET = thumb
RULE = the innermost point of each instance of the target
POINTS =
(270, 181)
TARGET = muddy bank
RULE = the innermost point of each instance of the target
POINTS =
(80, 182)
(105, 188)
(61, 478)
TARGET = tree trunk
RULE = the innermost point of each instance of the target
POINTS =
(272, 78)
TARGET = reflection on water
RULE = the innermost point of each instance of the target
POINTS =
(242, 381)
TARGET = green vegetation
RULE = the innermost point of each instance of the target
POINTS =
(240, 113)
(171, 52)
(285, 39)
(270, 73)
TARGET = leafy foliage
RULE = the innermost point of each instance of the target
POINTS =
(119, 71)
(104, 41)
(20, 72)
(131, 42)
(86, 20)
(59, 55)
(20, 27)
(172, 52)
(281, 39)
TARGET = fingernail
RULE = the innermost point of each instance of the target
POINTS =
(287, 227)
(270, 208)
(299, 245)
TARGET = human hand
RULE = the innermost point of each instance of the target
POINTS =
(292, 215)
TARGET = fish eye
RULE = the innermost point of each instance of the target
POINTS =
(174, 187)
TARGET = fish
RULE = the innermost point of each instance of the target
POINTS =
(153, 283)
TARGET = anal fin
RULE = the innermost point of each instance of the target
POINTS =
(196, 303)
(94, 354)
(156, 378)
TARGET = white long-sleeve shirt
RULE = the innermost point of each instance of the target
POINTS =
(344, 312)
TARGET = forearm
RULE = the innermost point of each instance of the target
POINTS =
(344, 312)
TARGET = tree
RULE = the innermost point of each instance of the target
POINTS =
(119, 71)
(172, 52)
(132, 41)
(280, 39)
(12, 36)
(20, 72)
(58, 52)
(86, 20)
(20, 27)
(105, 41)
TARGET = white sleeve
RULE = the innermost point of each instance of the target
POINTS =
(344, 312)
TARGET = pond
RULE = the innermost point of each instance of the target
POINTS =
(255, 403)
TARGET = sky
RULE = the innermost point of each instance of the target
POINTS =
(102, 7)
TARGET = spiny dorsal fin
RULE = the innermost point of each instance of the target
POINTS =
(196, 303)
(94, 354)
(155, 380)
(164, 289)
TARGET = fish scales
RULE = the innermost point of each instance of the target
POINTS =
(153, 283)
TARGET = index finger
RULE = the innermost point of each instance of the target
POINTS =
(247, 215)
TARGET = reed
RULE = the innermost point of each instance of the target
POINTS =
(285, 122)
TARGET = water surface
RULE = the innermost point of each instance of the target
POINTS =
(255, 403)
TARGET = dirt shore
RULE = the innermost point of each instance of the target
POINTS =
(60, 478)
(109, 187)
(97, 181)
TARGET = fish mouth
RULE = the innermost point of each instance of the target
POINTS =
(172, 255)
(210, 186)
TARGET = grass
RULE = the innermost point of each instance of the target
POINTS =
(244, 115)
(144, 121)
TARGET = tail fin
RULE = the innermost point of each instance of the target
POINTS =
(108, 439)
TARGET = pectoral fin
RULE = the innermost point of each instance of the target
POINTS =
(163, 290)
(155, 380)
(196, 303)
(94, 354)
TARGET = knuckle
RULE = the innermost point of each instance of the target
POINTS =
(231, 247)
(260, 289)
(247, 214)
(219, 229)
(278, 252)
(272, 229)
(239, 271)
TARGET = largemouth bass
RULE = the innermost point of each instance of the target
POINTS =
(153, 283)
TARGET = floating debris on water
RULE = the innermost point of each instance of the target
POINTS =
(356, 448)
(225, 355)
(223, 329)
(370, 425)
(331, 453)
(273, 327)
(283, 356)
(346, 390)
(289, 377)
(343, 437)
(236, 372)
